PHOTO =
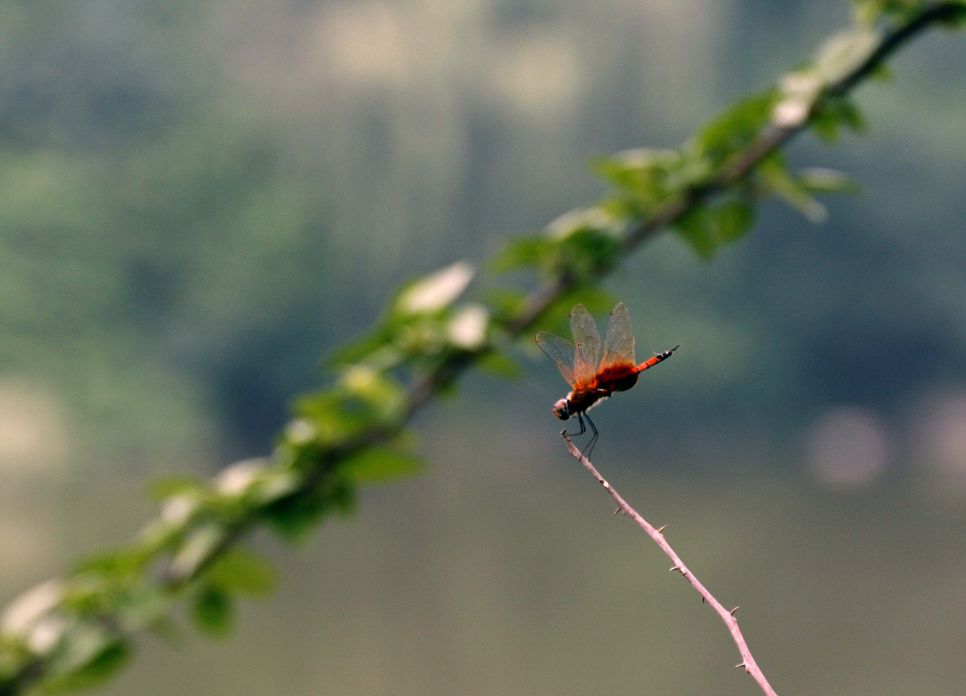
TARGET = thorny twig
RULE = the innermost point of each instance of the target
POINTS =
(748, 662)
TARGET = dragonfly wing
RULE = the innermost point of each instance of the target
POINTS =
(562, 352)
(619, 344)
(586, 344)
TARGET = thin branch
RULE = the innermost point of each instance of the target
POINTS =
(748, 662)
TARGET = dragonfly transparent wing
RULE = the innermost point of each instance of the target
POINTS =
(586, 344)
(619, 344)
(562, 352)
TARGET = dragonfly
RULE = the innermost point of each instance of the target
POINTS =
(595, 371)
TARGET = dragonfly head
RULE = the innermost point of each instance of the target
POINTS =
(561, 409)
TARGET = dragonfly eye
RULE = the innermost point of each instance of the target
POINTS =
(561, 409)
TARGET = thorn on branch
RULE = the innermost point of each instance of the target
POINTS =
(741, 665)
(735, 610)
(677, 569)
(660, 530)
(617, 511)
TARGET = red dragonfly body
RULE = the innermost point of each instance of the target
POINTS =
(595, 371)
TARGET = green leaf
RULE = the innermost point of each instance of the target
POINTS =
(708, 228)
(118, 564)
(14, 657)
(142, 606)
(866, 11)
(294, 516)
(340, 496)
(362, 348)
(821, 180)
(242, 572)
(587, 254)
(381, 464)
(957, 18)
(733, 129)
(594, 220)
(869, 12)
(384, 395)
(779, 181)
(523, 252)
(834, 113)
(732, 220)
(91, 593)
(105, 664)
(651, 176)
(176, 485)
(333, 417)
(95, 659)
(695, 229)
(883, 73)
(212, 610)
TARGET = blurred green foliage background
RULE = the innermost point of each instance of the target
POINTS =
(198, 200)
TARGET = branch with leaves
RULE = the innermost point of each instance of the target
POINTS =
(79, 629)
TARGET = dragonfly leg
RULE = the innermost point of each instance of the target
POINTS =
(588, 448)
(593, 438)
(583, 428)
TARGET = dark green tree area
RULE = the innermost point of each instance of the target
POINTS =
(202, 554)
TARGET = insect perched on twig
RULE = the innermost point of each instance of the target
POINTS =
(594, 374)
